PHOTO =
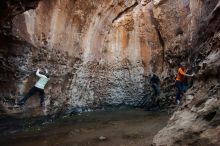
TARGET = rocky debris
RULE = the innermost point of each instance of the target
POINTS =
(102, 138)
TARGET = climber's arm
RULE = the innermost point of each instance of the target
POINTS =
(38, 73)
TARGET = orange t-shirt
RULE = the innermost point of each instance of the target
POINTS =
(180, 75)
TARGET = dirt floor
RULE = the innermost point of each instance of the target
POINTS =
(124, 127)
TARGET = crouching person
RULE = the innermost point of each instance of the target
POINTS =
(155, 84)
(37, 88)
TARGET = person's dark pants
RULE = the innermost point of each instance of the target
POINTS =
(185, 87)
(32, 92)
(180, 88)
(156, 91)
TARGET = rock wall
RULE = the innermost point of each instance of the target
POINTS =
(98, 53)
(196, 121)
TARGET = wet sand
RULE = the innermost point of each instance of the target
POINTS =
(124, 127)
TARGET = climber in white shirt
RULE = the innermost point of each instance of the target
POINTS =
(38, 87)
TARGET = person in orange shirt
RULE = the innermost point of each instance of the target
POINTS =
(180, 81)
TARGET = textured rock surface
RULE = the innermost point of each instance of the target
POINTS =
(196, 122)
(98, 53)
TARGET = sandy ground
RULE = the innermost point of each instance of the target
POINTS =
(124, 127)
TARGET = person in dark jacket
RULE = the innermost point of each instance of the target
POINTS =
(155, 84)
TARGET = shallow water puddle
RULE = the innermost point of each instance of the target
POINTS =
(124, 127)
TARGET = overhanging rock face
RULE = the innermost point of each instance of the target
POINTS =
(98, 53)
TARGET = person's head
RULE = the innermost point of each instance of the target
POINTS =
(46, 73)
(182, 64)
(41, 72)
(152, 75)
